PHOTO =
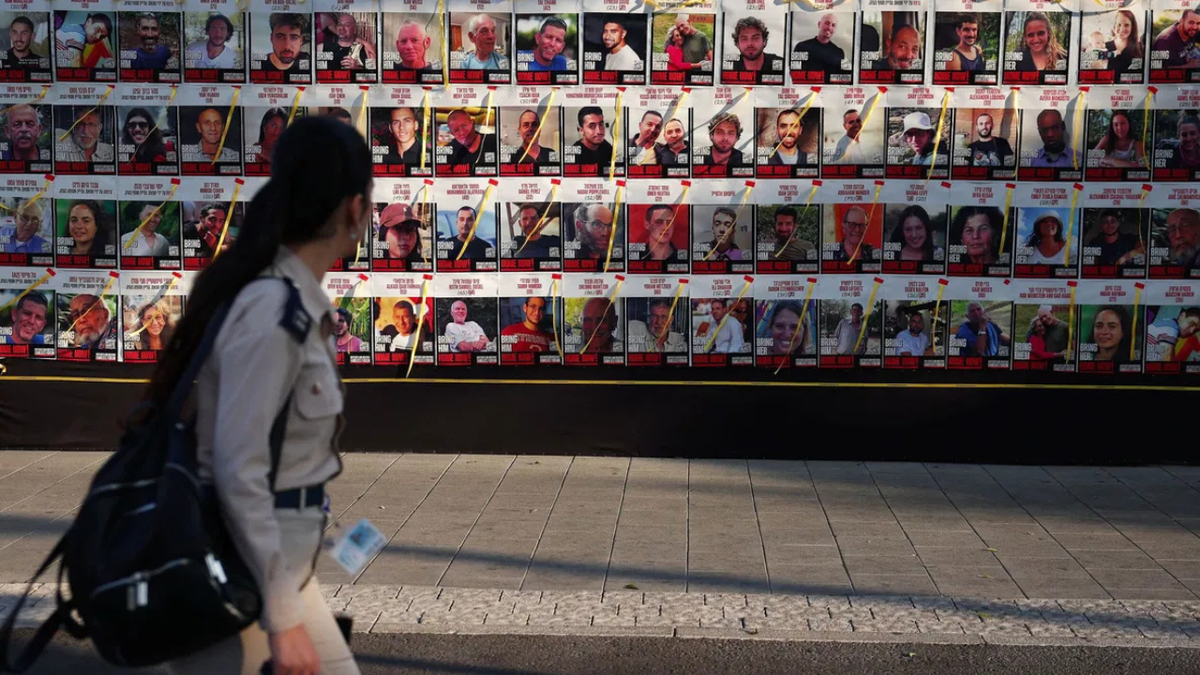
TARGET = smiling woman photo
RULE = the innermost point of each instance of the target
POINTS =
(1120, 146)
(90, 229)
(1040, 49)
(1112, 333)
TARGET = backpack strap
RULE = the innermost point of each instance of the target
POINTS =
(297, 322)
(49, 627)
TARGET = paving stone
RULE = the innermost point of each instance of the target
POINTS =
(831, 625)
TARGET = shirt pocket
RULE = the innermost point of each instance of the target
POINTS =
(318, 391)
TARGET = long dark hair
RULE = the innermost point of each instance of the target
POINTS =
(1134, 49)
(995, 219)
(318, 163)
(106, 234)
(918, 212)
(1110, 136)
(1122, 355)
(153, 147)
(1035, 239)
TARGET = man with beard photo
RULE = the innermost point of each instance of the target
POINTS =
(91, 320)
(215, 52)
(989, 150)
(79, 138)
(22, 128)
(531, 151)
(1178, 41)
(287, 38)
(750, 36)
(150, 53)
(593, 224)
(788, 129)
(966, 55)
(724, 130)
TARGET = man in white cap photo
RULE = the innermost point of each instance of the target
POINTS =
(917, 133)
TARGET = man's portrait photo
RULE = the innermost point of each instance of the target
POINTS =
(788, 145)
(892, 48)
(208, 148)
(547, 49)
(411, 48)
(966, 47)
(400, 143)
(280, 48)
(614, 48)
(589, 148)
(84, 139)
(215, 50)
(466, 141)
(150, 47)
(26, 133)
(84, 46)
(724, 143)
(823, 47)
(985, 143)
(592, 238)
(25, 47)
(529, 141)
(480, 46)
(347, 49)
(750, 56)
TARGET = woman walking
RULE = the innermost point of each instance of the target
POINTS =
(274, 360)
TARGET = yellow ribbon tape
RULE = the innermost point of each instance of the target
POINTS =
(412, 354)
(237, 186)
(1070, 226)
(612, 233)
(1137, 302)
(553, 308)
(866, 316)
(937, 308)
(35, 99)
(32, 199)
(670, 314)
(295, 105)
(612, 165)
(1078, 131)
(237, 91)
(937, 138)
(483, 205)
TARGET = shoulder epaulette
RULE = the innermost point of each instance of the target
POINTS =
(295, 319)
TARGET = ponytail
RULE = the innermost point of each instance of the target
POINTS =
(317, 164)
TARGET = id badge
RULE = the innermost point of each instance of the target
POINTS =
(353, 548)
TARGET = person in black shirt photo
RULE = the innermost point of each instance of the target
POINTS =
(724, 130)
(404, 146)
(531, 150)
(347, 51)
(476, 248)
(989, 150)
(469, 146)
(20, 52)
(1116, 247)
(750, 36)
(593, 148)
(820, 53)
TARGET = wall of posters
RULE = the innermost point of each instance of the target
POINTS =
(936, 186)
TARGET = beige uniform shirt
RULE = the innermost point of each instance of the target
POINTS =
(240, 390)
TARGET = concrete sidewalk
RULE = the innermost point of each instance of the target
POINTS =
(656, 544)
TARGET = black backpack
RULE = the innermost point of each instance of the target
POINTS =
(153, 573)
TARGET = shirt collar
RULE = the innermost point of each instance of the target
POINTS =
(312, 295)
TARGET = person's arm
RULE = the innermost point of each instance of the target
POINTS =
(256, 361)
(955, 63)
(675, 54)
(1037, 348)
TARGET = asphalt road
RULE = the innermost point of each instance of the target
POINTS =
(408, 654)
